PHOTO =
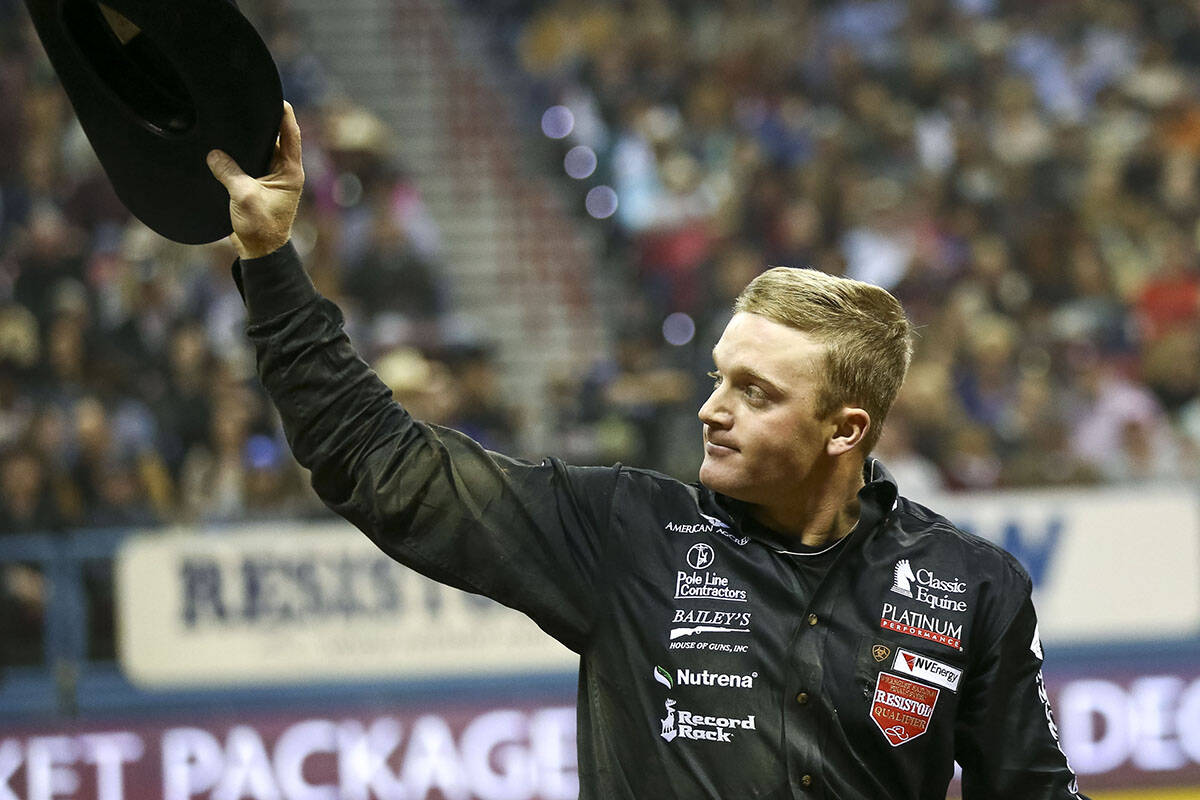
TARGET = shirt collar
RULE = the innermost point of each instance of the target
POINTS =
(876, 499)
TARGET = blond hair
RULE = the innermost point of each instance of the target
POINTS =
(867, 336)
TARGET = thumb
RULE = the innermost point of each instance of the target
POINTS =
(224, 168)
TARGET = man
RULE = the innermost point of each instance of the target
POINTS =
(788, 628)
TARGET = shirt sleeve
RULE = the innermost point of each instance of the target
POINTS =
(531, 536)
(1006, 738)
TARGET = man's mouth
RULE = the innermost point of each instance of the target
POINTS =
(718, 447)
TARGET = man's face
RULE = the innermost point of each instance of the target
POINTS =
(761, 433)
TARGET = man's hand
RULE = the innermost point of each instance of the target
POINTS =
(263, 209)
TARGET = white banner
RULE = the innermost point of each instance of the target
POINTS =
(1106, 564)
(289, 604)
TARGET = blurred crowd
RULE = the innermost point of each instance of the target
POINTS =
(127, 389)
(127, 394)
(1021, 174)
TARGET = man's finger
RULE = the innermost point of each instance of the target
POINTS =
(289, 135)
(224, 169)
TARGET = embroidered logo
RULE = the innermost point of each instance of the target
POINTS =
(927, 669)
(881, 652)
(922, 626)
(902, 576)
(668, 724)
(711, 524)
(902, 708)
(700, 556)
(701, 727)
(928, 586)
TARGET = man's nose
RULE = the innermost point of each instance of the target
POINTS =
(714, 413)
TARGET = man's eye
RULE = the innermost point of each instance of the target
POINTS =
(716, 378)
(754, 393)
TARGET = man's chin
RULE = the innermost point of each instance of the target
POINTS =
(717, 479)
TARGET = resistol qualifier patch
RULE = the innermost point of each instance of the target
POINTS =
(902, 708)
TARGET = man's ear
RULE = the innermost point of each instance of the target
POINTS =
(852, 426)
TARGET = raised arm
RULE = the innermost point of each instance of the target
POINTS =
(532, 536)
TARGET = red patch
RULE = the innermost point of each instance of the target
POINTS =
(902, 708)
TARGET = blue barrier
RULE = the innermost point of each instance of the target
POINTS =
(71, 684)
(60, 559)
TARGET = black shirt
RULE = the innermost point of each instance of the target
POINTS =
(713, 662)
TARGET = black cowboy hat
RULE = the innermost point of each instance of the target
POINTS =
(156, 84)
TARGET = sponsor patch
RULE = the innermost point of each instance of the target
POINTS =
(1044, 696)
(880, 652)
(927, 584)
(692, 624)
(689, 677)
(902, 708)
(922, 626)
(927, 669)
(710, 525)
(701, 727)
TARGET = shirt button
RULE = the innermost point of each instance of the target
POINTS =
(812, 619)
(802, 698)
(806, 780)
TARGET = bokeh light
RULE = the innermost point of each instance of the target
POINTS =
(558, 122)
(678, 329)
(601, 202)
(580, 162)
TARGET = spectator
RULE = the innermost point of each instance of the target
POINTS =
(27, 502)
(214, 471)
(1120, 428)
(481, 412)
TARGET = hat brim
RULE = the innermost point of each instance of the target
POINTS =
(185, 77)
